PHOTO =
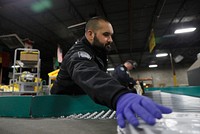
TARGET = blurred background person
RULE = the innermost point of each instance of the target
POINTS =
(121, 73)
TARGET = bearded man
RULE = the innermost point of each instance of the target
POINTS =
(83, 70)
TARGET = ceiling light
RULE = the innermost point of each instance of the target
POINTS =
(178, 58)
(76, 25)
(161, 55)
(17, 66)
(185, 30)
(110, 69)
(198, 56)
(153, 66)
(42, 5)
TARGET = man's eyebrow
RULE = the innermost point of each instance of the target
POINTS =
(107, 33)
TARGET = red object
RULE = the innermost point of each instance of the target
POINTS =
(5, 59)
(28, 41)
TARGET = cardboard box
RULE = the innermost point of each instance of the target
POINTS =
(29, 56)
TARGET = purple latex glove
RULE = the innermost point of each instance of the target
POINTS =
(130, 104)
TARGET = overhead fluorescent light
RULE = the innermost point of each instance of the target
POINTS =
(198, 56)
(161, 55)
(178, 58)
(110, 69)
(76, 25)
(185, 30)
(17, 66)
(153, 66)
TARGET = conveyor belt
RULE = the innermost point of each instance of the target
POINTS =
(184, 120)
(179, 103)
(175, 123)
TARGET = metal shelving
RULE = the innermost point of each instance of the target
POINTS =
(26, 62)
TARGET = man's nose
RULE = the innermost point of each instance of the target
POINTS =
(110, 40)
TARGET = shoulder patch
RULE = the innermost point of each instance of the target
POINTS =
(121, 68)
(83, 54)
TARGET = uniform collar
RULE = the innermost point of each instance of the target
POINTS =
(85, 41)
(124, 67)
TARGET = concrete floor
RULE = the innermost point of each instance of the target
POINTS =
(56, 126)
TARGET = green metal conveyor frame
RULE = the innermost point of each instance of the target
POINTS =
(182, 90)
(46, 106)
(64, 105)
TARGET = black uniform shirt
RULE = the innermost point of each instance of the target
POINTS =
(120, 73)
(83, 70)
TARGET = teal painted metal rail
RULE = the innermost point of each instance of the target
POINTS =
(47, 106)
(64, 105)
(183, 90)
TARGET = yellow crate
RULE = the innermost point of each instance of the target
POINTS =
(53, 74)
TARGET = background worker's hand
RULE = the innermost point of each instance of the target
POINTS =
(129, 105)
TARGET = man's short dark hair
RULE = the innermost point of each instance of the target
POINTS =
(133, 63)
(93, 23)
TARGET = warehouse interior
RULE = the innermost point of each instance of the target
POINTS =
(142, 29)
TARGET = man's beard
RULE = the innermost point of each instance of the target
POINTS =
(101, 50)
(97, 44)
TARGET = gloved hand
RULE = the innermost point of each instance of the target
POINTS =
(130, 104)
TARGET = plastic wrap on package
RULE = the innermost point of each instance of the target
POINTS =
(175, 123)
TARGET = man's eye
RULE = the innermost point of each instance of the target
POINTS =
(106, 34)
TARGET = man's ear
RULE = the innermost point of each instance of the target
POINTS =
(90, 34)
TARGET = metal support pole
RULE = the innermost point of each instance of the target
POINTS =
(173, 70)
